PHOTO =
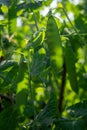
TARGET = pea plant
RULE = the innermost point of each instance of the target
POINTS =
(43, 66)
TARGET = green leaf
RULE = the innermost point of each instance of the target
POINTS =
(78, 110)
(3, 23)
(8, 73)
(4, 8)
(7, 65)
(48, 114)
(12, 17)
(8, 119)
(38, 66)
(10, 78)
(71, 124)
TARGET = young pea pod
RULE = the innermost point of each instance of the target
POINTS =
(54, 44)
(70, 66)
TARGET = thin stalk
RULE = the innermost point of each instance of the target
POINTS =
(0, 37)
(72, 25)
(1, 30)
(30, 87)
(34, 16)
(80, 34)
(70, 21)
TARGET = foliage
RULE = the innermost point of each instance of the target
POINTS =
(43, 65)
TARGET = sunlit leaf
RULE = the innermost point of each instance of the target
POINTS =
(4, 9)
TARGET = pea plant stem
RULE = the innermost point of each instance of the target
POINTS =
(72, 25)
(70, 21)
(29, 83)
(34, 16)
(61, 95)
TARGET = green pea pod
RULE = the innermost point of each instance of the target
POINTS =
(70, 66)
(54, 44)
